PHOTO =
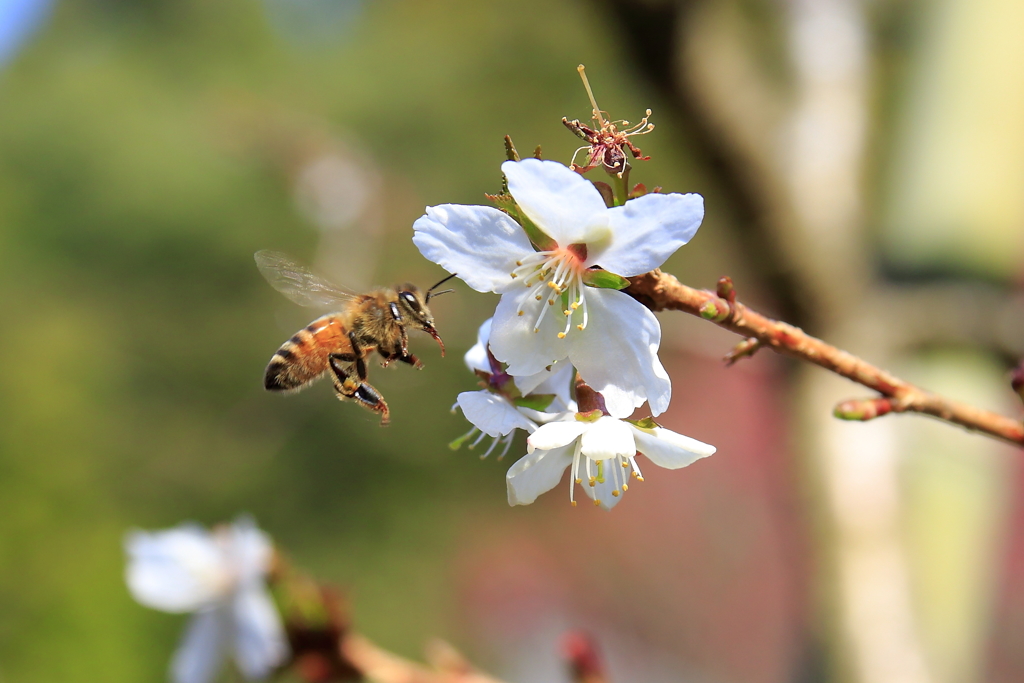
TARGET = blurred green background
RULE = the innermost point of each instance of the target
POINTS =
(147, 149)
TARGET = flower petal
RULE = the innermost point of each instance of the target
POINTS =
(476, 357)
(561, 202)
(178, 570)
(617, 353)
(647, 230)
(607, 438)
(200, 655)
(556, 434)
(513, 339)
(557, 381)
(260, 643)
(250, 549)
(492, 414)
(668, 449)
(601, 491)
(535, 474)
(479, 243)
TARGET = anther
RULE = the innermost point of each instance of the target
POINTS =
(575, 305)
(536, 330)
(520, 312)
(514, 276)
(597, 501)
(579, 481)
(579, 327)
(573, 503)
(561, 335)
(615, 493)
(567, 312)
(519, 263)
(625, 487)
(538, 297)
(593, 481)
(551, 302)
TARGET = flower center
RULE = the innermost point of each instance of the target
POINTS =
(582, 465)
(556, 275)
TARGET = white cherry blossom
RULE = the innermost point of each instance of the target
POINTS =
(493, 413)
(219, 577)
(608, 336)
(601, 454)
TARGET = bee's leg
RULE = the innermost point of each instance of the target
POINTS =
(400, 352)
(404, 357)
(347, 386)
(412, 360)
(357, 351)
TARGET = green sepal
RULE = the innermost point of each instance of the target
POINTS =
(534, 401)
(590, 416)
(506, 203)
(607, 194)
(537, 236)
(503, 200)
(644, 423)
(604, 279)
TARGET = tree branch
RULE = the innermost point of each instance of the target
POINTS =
(661, 291)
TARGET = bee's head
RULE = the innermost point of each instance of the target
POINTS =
(412, 306)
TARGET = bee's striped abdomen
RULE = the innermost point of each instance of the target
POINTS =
(303, 358)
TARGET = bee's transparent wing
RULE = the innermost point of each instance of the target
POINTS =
(297, 282)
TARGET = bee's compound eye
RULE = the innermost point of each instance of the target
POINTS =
(410, 299)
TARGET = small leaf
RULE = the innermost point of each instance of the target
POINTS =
(535, 401)
(510, 150)
(604, 279)
(639, 190)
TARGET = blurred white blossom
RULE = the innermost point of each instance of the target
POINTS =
(608, 336)
(220, 577)
(602, 454)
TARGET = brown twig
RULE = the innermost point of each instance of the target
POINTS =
(382, 666)
(661, 291)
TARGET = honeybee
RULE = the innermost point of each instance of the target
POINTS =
(341, 342)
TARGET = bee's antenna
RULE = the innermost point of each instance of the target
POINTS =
(437, 294)
(432, 293)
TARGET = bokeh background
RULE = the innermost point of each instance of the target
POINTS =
(863, 169)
